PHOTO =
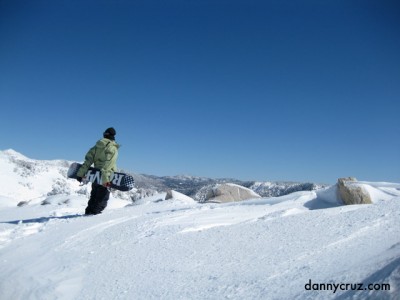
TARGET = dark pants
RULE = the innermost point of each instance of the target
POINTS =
(98, 199)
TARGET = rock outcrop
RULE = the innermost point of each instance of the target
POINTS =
(229, 192)
(351, 193)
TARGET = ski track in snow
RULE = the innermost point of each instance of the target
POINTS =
(7, 236)
(85, 235)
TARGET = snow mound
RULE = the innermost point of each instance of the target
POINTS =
(176, 196)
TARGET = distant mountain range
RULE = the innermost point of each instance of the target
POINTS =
(28, 178)
(192, 186)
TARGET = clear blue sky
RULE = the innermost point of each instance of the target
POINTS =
(255, 90)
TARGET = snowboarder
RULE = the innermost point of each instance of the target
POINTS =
(104, 156)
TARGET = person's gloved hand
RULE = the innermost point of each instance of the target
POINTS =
(79, 179)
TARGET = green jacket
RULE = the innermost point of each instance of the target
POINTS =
(104, 157)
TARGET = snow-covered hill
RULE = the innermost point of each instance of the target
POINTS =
(32, 181)
(28, 181)
(24, 179)
(305, 245)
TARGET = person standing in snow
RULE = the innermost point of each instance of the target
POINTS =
(104, 157)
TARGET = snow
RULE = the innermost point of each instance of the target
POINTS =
(180, 197)
(268, 248)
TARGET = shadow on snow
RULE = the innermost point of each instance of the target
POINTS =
(41, 220)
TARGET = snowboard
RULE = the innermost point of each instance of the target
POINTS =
(119, 181)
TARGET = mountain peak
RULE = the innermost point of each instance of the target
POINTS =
(13, 153)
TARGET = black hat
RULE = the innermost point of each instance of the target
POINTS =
(109, 133)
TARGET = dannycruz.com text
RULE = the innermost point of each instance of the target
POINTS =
(335, 287)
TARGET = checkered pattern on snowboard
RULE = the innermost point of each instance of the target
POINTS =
(128, 181)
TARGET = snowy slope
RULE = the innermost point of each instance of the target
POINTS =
(269, 248)
(177, 249)
(24, 179)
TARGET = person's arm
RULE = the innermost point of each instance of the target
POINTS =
(89, 159)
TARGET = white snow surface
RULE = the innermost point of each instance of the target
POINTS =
(268, 248)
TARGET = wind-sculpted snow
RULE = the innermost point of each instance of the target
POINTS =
(268, 248)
